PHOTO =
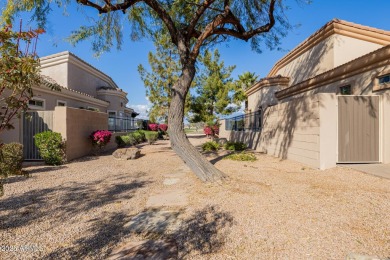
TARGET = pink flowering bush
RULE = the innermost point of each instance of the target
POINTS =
(211, 131)
(163, 127)
(153, 127)
(100, 138)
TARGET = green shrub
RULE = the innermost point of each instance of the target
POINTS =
(142, 133)
(243, 156)
(151, 136)
(139, 136)
(130, 140)
(210, 146)
(235, 146)
(11, 159)
(119, 141)
(124, 140)
(51, 147)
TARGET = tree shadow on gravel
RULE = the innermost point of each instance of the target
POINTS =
(204, 232)
(201, 233)
(66, 201)
(45, 169)
(104, 232)
(26, 173)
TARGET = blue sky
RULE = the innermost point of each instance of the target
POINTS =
(121, 65)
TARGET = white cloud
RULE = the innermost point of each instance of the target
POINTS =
(142, 109)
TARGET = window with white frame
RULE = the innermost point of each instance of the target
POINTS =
(61, 103)
(36, 103)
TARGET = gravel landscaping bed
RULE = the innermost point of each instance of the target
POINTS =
(269, 209)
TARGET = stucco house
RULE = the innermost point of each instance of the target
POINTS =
(83, 87)
(326, 102)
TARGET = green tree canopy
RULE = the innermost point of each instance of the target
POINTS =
(165, 71)
(214, 92)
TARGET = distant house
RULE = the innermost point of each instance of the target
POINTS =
(82, 87)
(326, 102)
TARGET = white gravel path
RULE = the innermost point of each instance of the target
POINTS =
(270, 209)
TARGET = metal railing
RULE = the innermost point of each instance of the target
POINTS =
(124, 124)
(247, 122)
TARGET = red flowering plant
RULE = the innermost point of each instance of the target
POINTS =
(211, 130)
(153, 127)
(100, 138)
(163, 127)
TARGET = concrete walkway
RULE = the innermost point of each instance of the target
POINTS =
(380, 170)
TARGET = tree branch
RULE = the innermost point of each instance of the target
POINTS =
(165, 17)
(202, 8)
(215, 27)
(155, 5)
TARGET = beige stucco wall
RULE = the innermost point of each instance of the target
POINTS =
(290, 131)
(348, 48)
(115, 102)
(263, 97)
(59, 73)
(328, 114)
(75, 126)
(314, 61)
(84, 81)
(385, 126)
(312, 137)
(12, 135)
(330, 53)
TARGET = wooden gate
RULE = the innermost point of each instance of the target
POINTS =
(358, 129)
(34, 123)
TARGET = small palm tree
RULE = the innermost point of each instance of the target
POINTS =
(244, 82)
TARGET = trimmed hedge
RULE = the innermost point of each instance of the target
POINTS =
(125, 140)
(151, 136)
(139, 136)
(51, 147)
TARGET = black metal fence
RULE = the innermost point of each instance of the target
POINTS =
(124, 124)
(250, 121)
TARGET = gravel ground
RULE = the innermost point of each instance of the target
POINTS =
(269, 209)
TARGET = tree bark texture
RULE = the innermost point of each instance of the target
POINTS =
(202, 168)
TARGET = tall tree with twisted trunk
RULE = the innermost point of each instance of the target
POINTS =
(191, 25)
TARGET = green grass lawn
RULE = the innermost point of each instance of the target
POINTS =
(193, 131)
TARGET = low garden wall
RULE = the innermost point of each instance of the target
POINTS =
(75, 125)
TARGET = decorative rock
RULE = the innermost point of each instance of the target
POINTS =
(127, 153)
(221, 141)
